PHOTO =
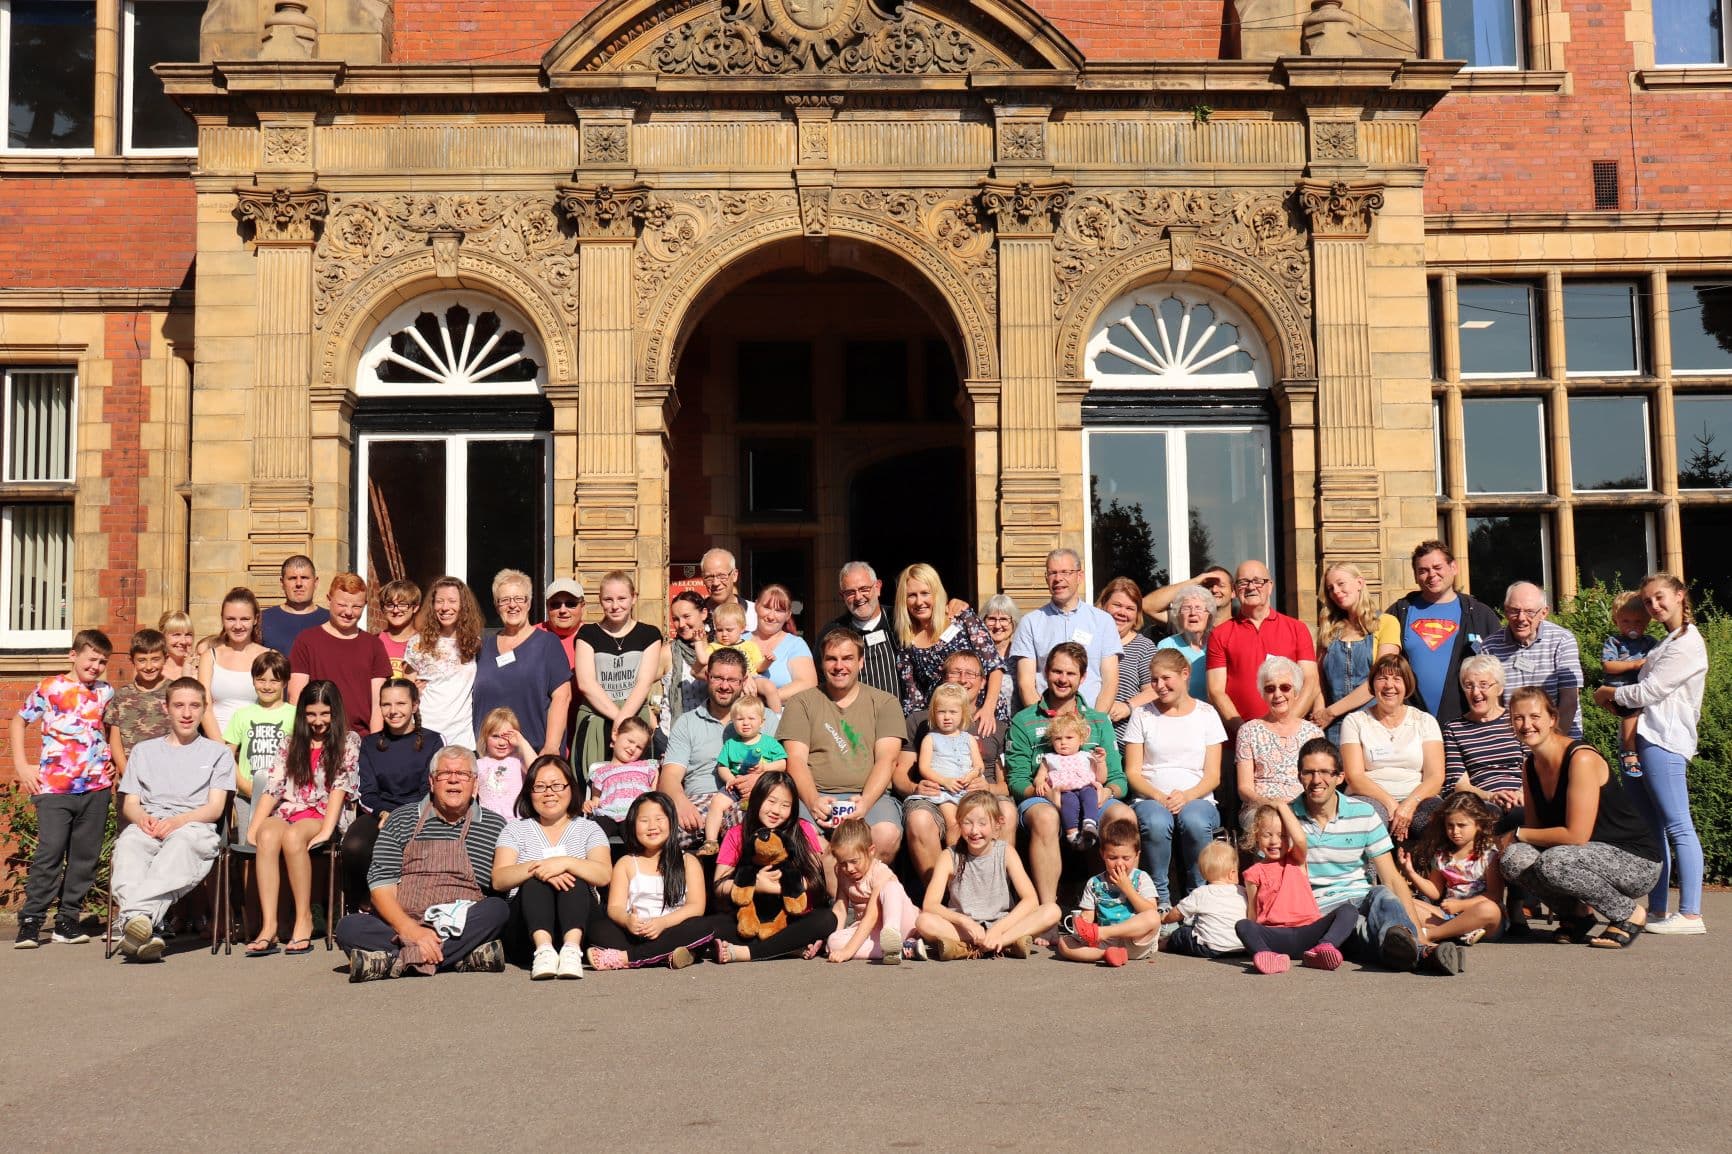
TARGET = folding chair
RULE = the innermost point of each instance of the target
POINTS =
(336, 900)
(110, 946)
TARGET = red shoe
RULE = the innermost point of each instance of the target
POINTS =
(1323, 956)
(1269, 962)
(1088, 931)
(1116, 956)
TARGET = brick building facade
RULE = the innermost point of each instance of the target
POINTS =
(1176, 280)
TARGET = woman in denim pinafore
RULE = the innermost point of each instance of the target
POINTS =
(1352, 632)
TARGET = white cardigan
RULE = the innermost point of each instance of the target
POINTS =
(1668, 691)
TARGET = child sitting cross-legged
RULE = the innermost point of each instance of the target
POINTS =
(980, 900)
(1208, 917)
(1278, 890)
(1121, 917)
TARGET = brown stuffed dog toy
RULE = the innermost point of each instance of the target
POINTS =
(763, 915)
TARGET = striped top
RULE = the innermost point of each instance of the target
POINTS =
(484, 831)
(1338, 856)
(1487, 751)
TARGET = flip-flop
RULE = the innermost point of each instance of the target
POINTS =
(298, 946)
(254, 950)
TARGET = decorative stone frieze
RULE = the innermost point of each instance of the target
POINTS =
(1027, 208)
(281, 216)
(779, 37)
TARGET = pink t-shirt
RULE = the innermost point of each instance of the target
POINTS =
(729, 854)
(1284, 895)
(501, 780)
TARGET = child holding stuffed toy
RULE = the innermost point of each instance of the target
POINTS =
(655, 899)
(791, 873)
(874, 911)
(980, 900)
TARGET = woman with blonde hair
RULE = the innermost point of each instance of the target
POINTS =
(929, 634)
(1350, 633)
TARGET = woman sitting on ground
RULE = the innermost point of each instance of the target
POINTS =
(308, 791)
(550, 859)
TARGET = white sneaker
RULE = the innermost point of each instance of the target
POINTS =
(1677, 924)
(545, 965)
(570, 962)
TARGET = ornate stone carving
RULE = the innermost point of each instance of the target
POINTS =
(290, 34)
(1027, 208)
(815, 210)
(1105, 241)
(281, 216)
(1022, 140)
(1329, 31)
(365, 233)
(606, 144)
(1335, 139)
(1340, 208)
(814, 141)
(287, 146)
(605, 211)
(777, 37)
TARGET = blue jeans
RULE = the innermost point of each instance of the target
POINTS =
(1196, 823)
(1663, 798)
(1379, 912)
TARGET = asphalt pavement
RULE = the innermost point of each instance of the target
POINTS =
(1536, 1046)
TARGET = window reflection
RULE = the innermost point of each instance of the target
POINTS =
(1496, 326)
(1504, 549)
(1609, 443)
(1704, 442)
(1504, 439)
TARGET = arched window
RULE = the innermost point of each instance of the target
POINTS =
(452, 344)
(1168, 336)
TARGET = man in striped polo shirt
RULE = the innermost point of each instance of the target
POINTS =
(862, 593)
(1347, 849)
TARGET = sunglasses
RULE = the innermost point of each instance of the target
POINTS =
(1283, 688)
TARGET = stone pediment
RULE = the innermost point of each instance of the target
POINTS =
(771, 38)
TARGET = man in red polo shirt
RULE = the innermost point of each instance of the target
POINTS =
(1238, 646)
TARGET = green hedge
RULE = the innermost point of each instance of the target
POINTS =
(1589, 617)
(18, 834)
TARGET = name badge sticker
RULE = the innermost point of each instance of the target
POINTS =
(876, 637)
(505, 659)
(950, 632)
(1082, 637)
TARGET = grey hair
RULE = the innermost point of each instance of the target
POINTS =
(1001, 603)
(452, 753)
(1484, 664)
(1075, 557)
(511, 577)
(852, 566)
(718, 552)
(1190, 593)
(1545, 601)
(1273, 666)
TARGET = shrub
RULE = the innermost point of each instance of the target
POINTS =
(18, 830)
(1589, 617)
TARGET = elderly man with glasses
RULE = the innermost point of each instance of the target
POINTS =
(432, 866)
(720, 574)
(1067, 617)
(1238, 647)
(1535, 651)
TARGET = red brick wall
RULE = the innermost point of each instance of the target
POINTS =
(96, 232)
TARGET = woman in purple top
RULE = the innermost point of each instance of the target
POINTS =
(523, 668)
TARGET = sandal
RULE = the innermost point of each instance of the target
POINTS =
(1574, 931)
(1617, 936)
(298, 946)
(1629, 763)
(261, 948)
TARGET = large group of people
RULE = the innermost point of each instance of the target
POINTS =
(1184, 769)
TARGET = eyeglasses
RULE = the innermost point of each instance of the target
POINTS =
(552, 787)
(1251, 582)
(454, 775)
(406, 606)
(857, 591)
(1508, 612)
(512, 601)
(716, 578)
(1062, 572)
(1282, 688)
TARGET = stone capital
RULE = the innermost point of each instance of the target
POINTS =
(1026, 208)
(1340, 208)
(282, 217)
(606, 211)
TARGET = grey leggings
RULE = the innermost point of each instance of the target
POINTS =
(1607, 878)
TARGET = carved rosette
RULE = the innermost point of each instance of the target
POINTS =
(1022, 140)
(1027, 208)
(606, 144)
(1335, 139)
(1107, 241)
(282, 216)
(1340, 209)
(287, 146)
(606, 211)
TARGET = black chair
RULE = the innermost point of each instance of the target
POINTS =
(336, 900)
(223, 825)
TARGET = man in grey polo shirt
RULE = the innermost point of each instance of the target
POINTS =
(1535, 651)
(688, 773)
(1067, 617)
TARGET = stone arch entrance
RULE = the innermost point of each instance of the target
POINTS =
(821, 417)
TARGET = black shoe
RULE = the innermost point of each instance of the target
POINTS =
(1448, 958)
(1400, 950)
(69, 932)
(29, 934)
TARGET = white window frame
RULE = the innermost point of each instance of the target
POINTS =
(1673, 311)
(1539, 404)
(368, 384)
(6, 148)
(71, 422)
(19, 494)
(1685, 437)
(1178, 544)
(1637, 346)
(457, 497)
(1533, 371)
(128, 66)
(1437, 446)
(1250, 342)
(1725, 38)
(1519, 8)
(1547, 523)
(1647, 440)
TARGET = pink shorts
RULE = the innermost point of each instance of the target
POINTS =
(301, 815)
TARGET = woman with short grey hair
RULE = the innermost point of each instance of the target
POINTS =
(1000, 616)
(523, 668)
(1267, 751)
(1481, 755)
(1191, 617)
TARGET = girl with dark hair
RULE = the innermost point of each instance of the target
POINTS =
(1454, 871)
(309, 789)
(393, 774)
(682, 689)
(551, 859)
(772, 811)
(655, 903)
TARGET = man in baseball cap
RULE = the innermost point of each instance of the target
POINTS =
(564, 613)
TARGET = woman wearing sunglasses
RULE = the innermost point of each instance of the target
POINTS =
(1267, 748)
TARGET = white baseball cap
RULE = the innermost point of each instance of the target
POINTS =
(566, 585)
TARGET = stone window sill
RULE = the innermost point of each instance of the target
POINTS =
(1515, 80)
(1701, 77)
(27, 164)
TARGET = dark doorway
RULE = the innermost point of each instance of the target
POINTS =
(914, 508)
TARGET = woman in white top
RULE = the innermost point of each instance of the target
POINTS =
(442, 660)
(1173, 766)
(1668, 691)
(1393, 753)
(551, 859)
(655, 903)
(226, 668)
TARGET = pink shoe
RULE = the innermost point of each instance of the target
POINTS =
(600, 959)
(1323, 956)
(1269, 962)
(1088, 931)
(1116, 956)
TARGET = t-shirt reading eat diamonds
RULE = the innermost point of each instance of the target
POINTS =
(351, 662)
